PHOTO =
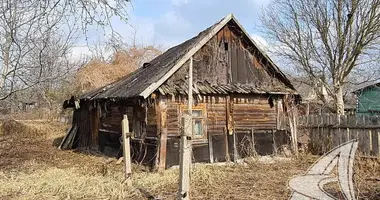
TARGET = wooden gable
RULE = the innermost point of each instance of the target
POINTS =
(228, 59)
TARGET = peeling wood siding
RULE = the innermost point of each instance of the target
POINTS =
(82, 119)
(144, 151)
(95, 118)
(253, 112)
(225, 59)
(216, 118)
(151, 127)
(247, 111)
(111, 116)
(245, 115)
(173, 118)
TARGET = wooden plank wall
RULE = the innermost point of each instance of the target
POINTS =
(173, 119)
(251, 117)
(111, 116)
(328, 131)
(226, 59)
(82, 119)
(217, 127)
(253, 112)
(151, 127)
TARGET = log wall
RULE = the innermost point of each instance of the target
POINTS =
(237, 127)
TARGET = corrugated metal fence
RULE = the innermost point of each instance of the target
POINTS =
(330, 130)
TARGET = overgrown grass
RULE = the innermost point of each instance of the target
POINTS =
(31, 168)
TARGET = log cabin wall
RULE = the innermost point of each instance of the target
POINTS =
(251, 116)
(100, 128)
(234, 121)
(255, 111)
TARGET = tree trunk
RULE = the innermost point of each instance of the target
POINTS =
(6, 55)
(339, 100)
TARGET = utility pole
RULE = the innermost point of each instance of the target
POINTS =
(126, 150)
(185, 146)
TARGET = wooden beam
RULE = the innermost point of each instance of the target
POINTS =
(163, 141)
(126, 150)
(185, 145)
(280, 115)
(229, 126)
(185, 158)
(95, 127)
(253, 140)
(236, 154)
(210, 148)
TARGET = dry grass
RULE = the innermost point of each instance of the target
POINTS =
(32, 168)
(98, 73)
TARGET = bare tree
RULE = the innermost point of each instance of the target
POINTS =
(31, 29)
(326, 40)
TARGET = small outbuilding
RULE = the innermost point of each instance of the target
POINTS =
(240, 102)
(368, 99)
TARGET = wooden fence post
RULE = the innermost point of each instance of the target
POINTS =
(163, 141)
(185, 144)
(293, 129)
(210, 148)
(185, 158)
(126, 150)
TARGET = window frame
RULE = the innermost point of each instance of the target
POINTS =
(203, 118)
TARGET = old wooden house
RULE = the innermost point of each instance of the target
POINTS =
(240, 101)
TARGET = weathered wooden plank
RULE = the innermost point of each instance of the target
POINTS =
(95, 129)
(234, 63)
(163, 139)
(242, 69)
(126, 150)
(280, 115)
(211, 149)
(249, 67)
(376, 142)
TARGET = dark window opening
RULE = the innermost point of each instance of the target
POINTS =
(226, 46)
(270, 101)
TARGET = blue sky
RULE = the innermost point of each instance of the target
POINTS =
(170, 22)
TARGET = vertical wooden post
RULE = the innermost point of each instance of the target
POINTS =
(228, 129)
(163, 141)
(185, 145)
(210, 148)
(293, 129)
(95, 128)
(378, 144)
(280, 109)
(126, 150)
(236, 155)
(274, 143)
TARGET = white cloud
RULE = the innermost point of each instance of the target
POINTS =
(171, 28)
(80, 52)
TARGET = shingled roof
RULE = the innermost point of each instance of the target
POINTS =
(148, 78)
